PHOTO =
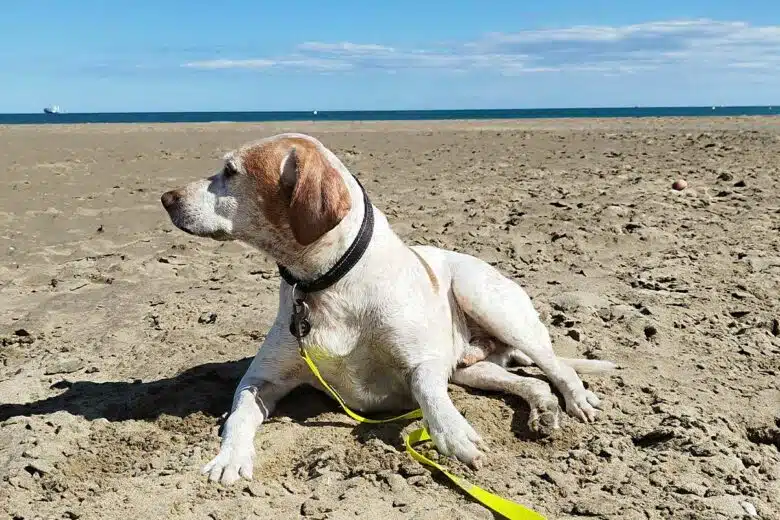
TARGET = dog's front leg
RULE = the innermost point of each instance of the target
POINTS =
(449, 430)
(271, 375)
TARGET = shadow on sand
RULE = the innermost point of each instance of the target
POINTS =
(208, 389)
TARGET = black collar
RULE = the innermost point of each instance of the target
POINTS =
(350, 258)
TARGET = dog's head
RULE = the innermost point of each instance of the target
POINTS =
(280, 194)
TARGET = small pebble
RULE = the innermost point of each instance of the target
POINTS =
(256, 489)
(208, 318)
(64, 366)
(41, 466)
(397, 484)
(749, 508)
(680, 184)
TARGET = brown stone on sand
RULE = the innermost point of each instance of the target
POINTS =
(680, 184)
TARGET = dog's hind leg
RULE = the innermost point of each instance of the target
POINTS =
(485, 375)
(505, 311)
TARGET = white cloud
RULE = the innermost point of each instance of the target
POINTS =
(230, 64)
(345, 48)
(605, 49)
(307, 63)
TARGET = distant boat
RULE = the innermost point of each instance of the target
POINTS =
(314, 112)
(54, 109)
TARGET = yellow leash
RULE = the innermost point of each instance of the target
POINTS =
(502, 506)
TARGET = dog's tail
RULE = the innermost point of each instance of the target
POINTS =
(581, 366)
(590, 366)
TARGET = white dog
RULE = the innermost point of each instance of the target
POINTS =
(388, 325)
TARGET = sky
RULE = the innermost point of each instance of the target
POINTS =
(175, 55)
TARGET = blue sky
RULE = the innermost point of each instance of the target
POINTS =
(144, 55)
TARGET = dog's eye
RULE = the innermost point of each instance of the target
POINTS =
(229, 170)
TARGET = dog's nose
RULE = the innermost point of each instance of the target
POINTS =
(170, 198)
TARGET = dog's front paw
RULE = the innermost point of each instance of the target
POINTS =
(583, 404)
(233, 462)
(455, 437)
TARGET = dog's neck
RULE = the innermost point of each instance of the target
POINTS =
(330, 258)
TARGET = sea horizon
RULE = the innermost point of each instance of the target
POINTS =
(382, 115)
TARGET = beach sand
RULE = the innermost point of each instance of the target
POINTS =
(122, 338)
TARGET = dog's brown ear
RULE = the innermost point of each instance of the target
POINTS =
(318, 197)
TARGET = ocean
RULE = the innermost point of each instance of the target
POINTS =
(380, 115)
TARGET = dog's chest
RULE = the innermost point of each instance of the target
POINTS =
(365, 343)
(361, 366)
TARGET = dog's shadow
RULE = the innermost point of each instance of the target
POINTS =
(208, 389)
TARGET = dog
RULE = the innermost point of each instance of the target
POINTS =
(389, 325)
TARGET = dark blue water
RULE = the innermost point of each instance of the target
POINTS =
(381, 115)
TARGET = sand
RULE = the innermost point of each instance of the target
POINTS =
(122, 338)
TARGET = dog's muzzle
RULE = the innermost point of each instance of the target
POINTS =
(170, 199)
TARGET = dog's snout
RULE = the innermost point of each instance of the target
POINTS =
(170, 198)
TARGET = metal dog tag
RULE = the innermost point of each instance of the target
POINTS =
(299, 321)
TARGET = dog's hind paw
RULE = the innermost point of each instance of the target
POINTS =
(544, 418)
(584, 405)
